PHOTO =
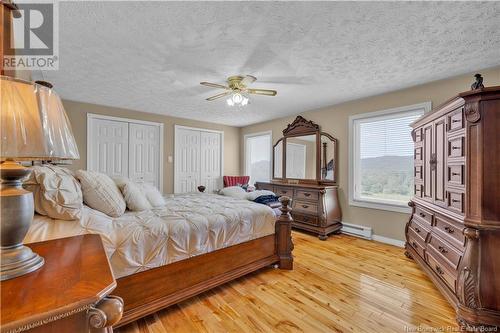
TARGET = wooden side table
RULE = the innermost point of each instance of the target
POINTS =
(70, 293)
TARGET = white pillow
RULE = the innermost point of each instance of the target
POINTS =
(255, 194)
(134, 197)
(56, 192)
(101, 193)
(153, 195)
(234, 191)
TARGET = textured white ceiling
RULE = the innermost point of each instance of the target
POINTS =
(151, 56)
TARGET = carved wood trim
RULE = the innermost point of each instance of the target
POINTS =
(472, 112)
(467, 288)
(300, 126)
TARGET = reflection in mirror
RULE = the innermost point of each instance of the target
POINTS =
(328, 154)
(278, 159)
(301, 157)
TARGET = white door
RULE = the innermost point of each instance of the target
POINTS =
(144, 153)
(210, 161)
(108, 147)
(187, 160)
(295, 160)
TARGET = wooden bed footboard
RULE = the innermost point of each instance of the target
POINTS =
(147, 292)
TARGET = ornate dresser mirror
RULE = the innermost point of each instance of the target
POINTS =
(305, 169)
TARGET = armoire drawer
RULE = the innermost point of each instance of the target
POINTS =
(418, 172)
(456, 120)
(305, 207)
(418, 155)
(419, 230)
(456, 175)
(415, 243)
(455, 201)
(283, 191)
(301, 218)
(451, 231)
(424, 215)
(456, 147)
(447, 251)
(307, 195)
(441, 269)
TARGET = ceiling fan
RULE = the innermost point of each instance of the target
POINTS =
(237, 87)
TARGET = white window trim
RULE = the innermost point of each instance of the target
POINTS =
(245, 137)
(353, 142)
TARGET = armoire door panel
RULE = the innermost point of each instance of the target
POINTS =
(144, 153)
(428, 168)
(439, 153)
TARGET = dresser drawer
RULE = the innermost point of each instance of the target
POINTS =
(450, 230)
(262, 186)
(419, 230)
(418, 172)
(307, 195)
(283, 191)
(440, 269)
(424, 215)
(418, 190)
(455, 201)
(305, 207)
(456, 147)
(446, 251)
(416, 243)
(418, 155)
(307, 219)
(456, 175)
(456, 120)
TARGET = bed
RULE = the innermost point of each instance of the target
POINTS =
(195, 242)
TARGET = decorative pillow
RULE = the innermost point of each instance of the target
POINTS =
(154, 196)
(134, 197)
(101, 193)
(56, 192)
(234, 191)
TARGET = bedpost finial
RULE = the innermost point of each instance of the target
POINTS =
(285, 202)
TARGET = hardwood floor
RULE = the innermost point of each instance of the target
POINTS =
(344, 284)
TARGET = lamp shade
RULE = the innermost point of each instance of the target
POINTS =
(33, 123)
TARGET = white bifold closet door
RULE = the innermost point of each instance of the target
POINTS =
(124, 148)
(198, 156)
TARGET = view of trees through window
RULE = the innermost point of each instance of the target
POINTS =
(258, 158)
(386, 157)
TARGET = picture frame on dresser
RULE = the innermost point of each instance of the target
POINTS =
(454, 229)
(305, 169)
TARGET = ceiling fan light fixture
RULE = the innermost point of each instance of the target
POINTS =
(230, 101)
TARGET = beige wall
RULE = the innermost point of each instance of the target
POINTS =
(334, 120)
(77, 113)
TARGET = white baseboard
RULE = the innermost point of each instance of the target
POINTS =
(365, 232)
(387, 240)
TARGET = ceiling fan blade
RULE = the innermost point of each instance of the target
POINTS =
(214, 85)
(265, 92)
(220, 95)
(248, 79)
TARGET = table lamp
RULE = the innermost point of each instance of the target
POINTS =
(33, 126)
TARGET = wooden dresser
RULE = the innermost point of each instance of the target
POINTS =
(68, 294)
(315, 208)
(454, 229)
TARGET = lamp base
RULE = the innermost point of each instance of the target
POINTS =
(18, 261)
(16, 215)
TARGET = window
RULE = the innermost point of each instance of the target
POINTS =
(381, 158)
(258, 156)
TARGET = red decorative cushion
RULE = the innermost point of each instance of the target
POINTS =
(235, 180)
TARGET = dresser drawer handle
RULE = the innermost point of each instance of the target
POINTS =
(414, 244)
(422, 215)
(417, 229)
(442, 249)
(284, 192)
(439, 270)
(456, 121)
(307, 194)
(305, 206)
(449, 230)
(455, 174)
(455, 200)
(455, 147)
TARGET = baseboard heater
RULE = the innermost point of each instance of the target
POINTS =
(357, 230)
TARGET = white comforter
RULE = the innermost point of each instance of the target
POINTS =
(187, 226)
